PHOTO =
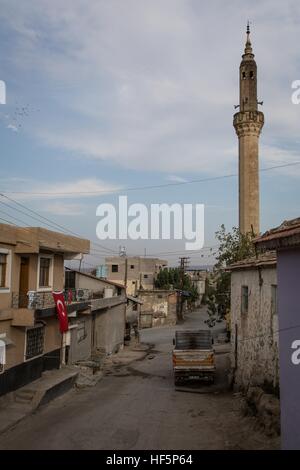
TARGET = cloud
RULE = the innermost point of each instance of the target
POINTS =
(176, 179)
(12, 127)
(135, 84)
(60, 208)
(83, 188)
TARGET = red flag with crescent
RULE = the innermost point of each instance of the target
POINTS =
(61, 311)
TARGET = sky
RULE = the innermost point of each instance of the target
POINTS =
(108, 95)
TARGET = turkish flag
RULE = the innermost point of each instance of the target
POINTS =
(61, 310)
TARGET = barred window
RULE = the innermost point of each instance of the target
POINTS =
(245, 300)
(44, 272)
(34, 341)
(3, 265)
(274, 299)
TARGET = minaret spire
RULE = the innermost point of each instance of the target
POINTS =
(248, 46)
(248, 123)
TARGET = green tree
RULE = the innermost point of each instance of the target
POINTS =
(172, 277)
(233, 246)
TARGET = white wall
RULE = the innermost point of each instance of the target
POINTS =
(257, 341)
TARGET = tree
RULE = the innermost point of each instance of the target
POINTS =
(233, 246)
(171, 277)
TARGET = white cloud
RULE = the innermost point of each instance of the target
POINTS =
(151, 85)
(12, 127)
(83, 188)
(60, 208)
(176, 179)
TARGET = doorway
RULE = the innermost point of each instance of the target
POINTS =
(24, 282)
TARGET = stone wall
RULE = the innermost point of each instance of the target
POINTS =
(158, 308)
(254, 336)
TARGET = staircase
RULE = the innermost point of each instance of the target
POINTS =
(25, 396)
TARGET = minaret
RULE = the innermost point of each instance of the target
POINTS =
(248, 123)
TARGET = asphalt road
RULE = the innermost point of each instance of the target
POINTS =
(137, 407)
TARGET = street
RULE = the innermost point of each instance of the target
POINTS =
(135, 406)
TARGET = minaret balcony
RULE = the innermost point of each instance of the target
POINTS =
(248, 122)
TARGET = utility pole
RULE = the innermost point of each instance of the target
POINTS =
(80, 261)
(184, 261)
(126, 270)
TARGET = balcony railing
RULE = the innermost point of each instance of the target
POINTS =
(39, 300)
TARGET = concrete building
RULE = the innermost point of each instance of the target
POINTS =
(136, 272)
(248, 123)
(254, 324)
(101, 329)
(159, 307)
(285, 239)
(198, 278)
(31, 267)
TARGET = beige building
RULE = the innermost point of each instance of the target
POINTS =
(248, 123)
(254, 323)
(134, 272)
(101, 329)
(159, 307)
(198, 278)
(31, 267)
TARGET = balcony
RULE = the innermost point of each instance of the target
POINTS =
(77, 300)
(35, 300)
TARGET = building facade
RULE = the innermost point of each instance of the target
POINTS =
(31, 268)
(159, 307)
(134, 272)
(254, 324)
(198, 278)
(285, 239)
(101, 330)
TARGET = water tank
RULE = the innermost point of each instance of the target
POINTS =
(101, 271)
(108, 292)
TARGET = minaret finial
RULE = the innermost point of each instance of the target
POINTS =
(248, 27)
(248, 48)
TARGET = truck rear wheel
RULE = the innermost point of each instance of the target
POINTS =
(177, 380)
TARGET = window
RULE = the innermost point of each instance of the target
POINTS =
(5, 270)
(44, 279)
(274, 299)
(114, 268)
(145, 276)
(81, 332)
(251, 74)
(3, 265)
(245, 300)
(243, 75)
(34, 341)
(132, 266)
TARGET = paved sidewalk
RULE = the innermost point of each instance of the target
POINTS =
(18, 404)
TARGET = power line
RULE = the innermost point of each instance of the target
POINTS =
(8, 222)
(139, 188)
(52, 223)
(264, 335)
(12, 217)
